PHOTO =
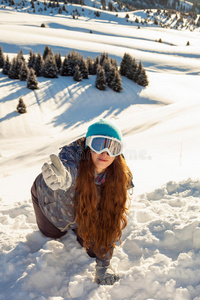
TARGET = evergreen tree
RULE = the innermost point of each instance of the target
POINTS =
(132, 71)
(32, 82)
(96, 64)
(100, 79)
(73, 59)
(83, 68)
(20, 55)
(103, 3)
(47, 50)
(58, 60)
(110, 76)
(125, 64)
(19, 62)
(107, 66)
(77, 74)
(2, 58)
(15, 68)
(114, 63)
(138, 71)
(104, 56)
(13, 72)
(6, 66)
(64, 68)
(21, 107)
(23, 72)
(110, 6)
(70, 65)
(32, 59)
(89, 65)
(142, 78)
(32, 4)
(50, 69)
(38, 66)
(64, 8)
(116, 83)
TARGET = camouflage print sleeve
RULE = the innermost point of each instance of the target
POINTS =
(70, 156)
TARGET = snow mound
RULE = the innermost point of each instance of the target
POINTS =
(158, 259)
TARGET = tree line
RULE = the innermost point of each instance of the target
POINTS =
(50, 66)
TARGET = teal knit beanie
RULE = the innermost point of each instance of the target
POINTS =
(104, 127)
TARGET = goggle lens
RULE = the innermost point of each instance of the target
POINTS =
(99, 143)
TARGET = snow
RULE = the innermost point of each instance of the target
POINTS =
(159, 257)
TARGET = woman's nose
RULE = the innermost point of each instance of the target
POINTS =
(105, 153)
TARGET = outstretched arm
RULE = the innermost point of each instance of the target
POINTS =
(55, 174)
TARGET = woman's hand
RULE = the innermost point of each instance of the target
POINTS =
(105, 275)
(55, 175)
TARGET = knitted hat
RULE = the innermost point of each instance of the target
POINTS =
(104, 127)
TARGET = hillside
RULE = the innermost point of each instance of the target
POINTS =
(159, 257)
(167, 18)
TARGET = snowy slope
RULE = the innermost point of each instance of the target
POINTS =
(159, 257)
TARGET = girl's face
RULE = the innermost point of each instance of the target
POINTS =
(101, 161)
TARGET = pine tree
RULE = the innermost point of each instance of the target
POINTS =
(96, 64)
(2, 58)
(104, 56)
(64, 68)
(110, 76)
(38, 66)
(114, 63)
(58, 60)
(20, 55)
(116, 83)
(132, 71)
(107, 66)
(6, 66)
(19, 63)
(21, 107)
(47, 50)
(138, 71)
(32, 82)
(83, 68)
(77, 74)
(13, 73)
(142, 78)
(23, 72)
(75, 60)
(50, 69)
(103, 3)
(100, 79)
(89, 65)
(125, 64)
(32, 59)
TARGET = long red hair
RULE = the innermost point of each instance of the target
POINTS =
(101, 221)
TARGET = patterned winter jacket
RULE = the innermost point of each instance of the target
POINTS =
(58, 206)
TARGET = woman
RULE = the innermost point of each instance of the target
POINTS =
(85, 189)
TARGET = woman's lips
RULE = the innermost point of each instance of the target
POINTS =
(104, 160)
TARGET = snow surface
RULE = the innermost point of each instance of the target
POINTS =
(159, 257)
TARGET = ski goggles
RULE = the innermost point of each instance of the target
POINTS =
(100, 144)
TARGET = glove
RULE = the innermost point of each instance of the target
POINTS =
(105, 275)
(55, 175)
